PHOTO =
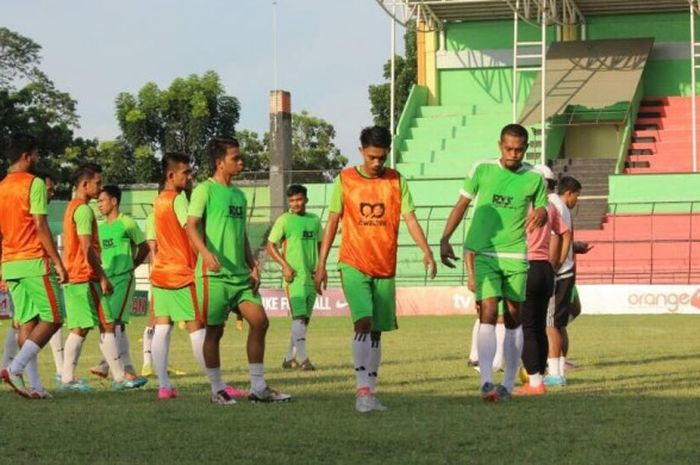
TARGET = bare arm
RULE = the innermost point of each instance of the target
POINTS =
(471, 278)
(453, 221)
(320, 275)
(565, 245)
(153, 247)
(252, 264)
(192, 230)
(142, 251)
(416, 232)
(287, 270)
(46, 239)
(95, 262)
(536, 219)
(555, 251)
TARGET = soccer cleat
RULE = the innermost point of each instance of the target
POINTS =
(97, 371)
(234, 392)
(75, 386)
(489, 392)
(175, 372)
(167, 393)
(364, 400)
(528, 390)
(268, 395)
(15, 381)
(138, 381)
(378, 406)
(306, 365)
(522, 374)
(128, 384)
(147, 370)
(551, 380)
(39, 394)
(569, 366)
(290, 364)
(503, 393)
(222, 398)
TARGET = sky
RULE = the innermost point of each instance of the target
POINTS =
(329, 52)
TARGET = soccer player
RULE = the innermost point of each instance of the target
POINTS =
(569, 190)
(123, 249)
(88, 286)
(505, 189)
(539, 290)
(370, 200)
(300, 233)
(172, 273)
(28, 250)
(226, 274)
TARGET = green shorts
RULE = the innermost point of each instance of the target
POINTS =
(302, 297)
(218, 295)
(122, 297)
(86, 307)
(574, 294)
(500, 277)
(370, 297)
(36, 297)
(177, 304)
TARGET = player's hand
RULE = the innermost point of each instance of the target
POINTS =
(288, 273)
(106, 286)
(211, 262)
(447, 254)
(320, 279)
(471, 283)
(582, 247)
(3, 285)
(255, 279)
(536, 219)
(430, 266)
(61, 274)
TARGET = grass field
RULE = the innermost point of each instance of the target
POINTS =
(635, 399)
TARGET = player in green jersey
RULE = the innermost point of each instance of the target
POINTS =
(226, 273)
(300, 234)
(123, 249)
(504, 191)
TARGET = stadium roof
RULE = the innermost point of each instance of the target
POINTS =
(479, 10)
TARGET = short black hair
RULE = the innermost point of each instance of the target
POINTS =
(296, 189)
(515, 130)
(169, 160)
(21, 144)
(551, 184)
(113, 191)
(218, 146)
(568, 184)
(86, 172)
(375, 136)
(41, 174)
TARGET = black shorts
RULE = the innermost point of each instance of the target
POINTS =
(558, 309)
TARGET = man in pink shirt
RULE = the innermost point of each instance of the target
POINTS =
(540, 288)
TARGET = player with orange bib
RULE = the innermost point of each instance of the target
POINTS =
(27, 251)
(369, 201)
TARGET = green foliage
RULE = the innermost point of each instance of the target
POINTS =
(19, 57)
(255, 151)
(406, 69)
(180, 118)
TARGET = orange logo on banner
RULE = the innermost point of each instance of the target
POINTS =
(695, 300)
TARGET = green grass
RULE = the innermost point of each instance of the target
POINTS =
(633, 400)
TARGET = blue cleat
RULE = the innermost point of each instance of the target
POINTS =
(75, 386)
(550, 380)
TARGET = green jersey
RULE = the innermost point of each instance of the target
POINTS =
(222, 210)
(150, 227)
(336, 202)
(503, 199)
(118, 241)
(300, 235)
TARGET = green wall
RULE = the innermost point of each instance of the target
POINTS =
(664, 27)
(482, 87)
(673, 193)
(490, 35)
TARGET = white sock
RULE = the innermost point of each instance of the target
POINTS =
(553, 366)
(56, 343)
(197, 341)
(124, 348)
(299, 336)
(26, 353)
(147, 342)
(473, 353)
(562, 365)
(499, 359)
(360, 356)
(486, 341)
(375, 358)
(257, 377)
(71, 354)
(214, 375)
(110, 351)
(535, 380)
(159, 354)
(11, 347)
(512, 350)
(32, 371)
(291, 351)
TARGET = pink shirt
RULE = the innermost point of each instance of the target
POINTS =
(538, 240)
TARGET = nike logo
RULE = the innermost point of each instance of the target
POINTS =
(339, 305)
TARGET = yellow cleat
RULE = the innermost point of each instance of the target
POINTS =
(522, 373)
(181, 325)
(147, 370)
(175, 372)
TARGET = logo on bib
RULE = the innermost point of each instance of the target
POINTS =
(235, 211)
(308, 235)
(372, 214)
(107, 243)
(503, 201)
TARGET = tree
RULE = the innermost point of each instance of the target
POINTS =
(181, 118)
(406, 69)
(255, 151)
(19, 57)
